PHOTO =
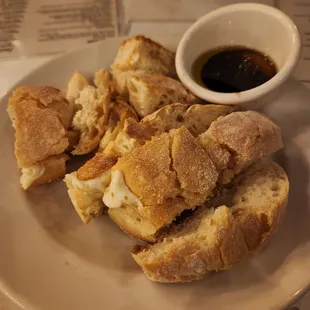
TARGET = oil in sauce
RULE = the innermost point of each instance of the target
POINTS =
(233, 69)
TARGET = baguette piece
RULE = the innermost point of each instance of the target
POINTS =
(217, 238)
(41, 117)
(139, 56)
(175, 171)
(148, 93)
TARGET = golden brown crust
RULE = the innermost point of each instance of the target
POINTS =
(217, 240)
(150, 162)
(49, 97)
(196, 118)
(195, 170)
(38, 115)
(136, 130)
(250, 135)
(55, 169)
(96, 166)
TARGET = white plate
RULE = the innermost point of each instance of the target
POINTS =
(50, 260)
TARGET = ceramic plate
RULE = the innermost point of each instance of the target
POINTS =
(51, 260)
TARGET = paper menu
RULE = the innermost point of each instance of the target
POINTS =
(36, 27)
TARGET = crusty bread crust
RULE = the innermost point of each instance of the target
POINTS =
(196, 173)
(96, 166)
(150, 162)
(196, 118)
(40, 116)
(250, 135)
(212, 240)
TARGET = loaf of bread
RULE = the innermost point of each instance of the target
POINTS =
(139, 56)
(41, 117)
(176, 171)
(216, 237)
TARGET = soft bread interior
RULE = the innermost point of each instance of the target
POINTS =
(216, 239)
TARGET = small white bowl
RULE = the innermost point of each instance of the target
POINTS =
(251, 25)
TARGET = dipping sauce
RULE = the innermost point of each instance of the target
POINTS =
(233, 69)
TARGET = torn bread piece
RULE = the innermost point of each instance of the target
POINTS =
(174, 172)
(75, 85)
(120, 111)
(41, 117)
(93, 105)
(86, 186)
(149, 93)
(217, 239)
(139, 56)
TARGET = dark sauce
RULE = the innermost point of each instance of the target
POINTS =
(233, 69)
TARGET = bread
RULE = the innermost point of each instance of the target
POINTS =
(123, 135)
(120, 111)
(149, 93)
(93, 104)
(174, 172)
(75, 85)
(45, 171)
(244, 137)
(217, 238)
(196, 118)
(41, 117)
(138, 56)
(86, 186)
